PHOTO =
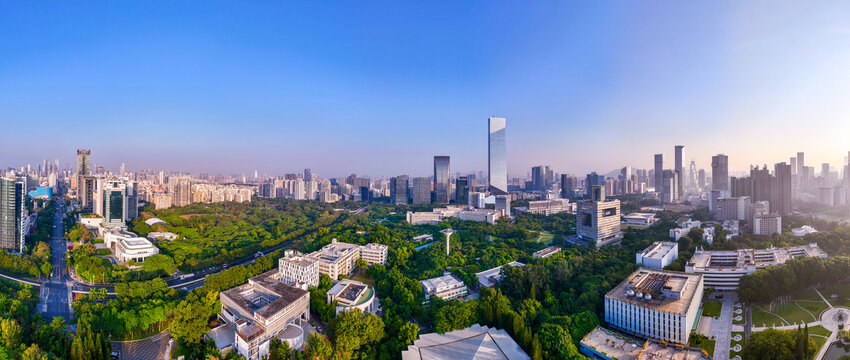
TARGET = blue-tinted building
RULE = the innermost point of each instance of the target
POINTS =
(41, 192)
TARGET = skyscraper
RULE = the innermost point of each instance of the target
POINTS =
(83, 162)
(462, 190)
(497, 166)
(794, 166)
(308, 175)
(719, 172)
(659, 173)
(678, 155)
(593, 179)
(12, 208)
(398, 189)
(801, 162)
(420, 190)
(114, 207)
(538, 181)
(182, 187)
(442, 183)
(782, 189)
(568, 184)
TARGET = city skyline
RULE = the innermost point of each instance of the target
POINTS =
(158, 90)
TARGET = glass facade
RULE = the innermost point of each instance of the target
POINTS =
(116, 205)
(497, 164)
(442, 183)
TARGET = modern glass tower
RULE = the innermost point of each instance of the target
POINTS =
(497, 169)
(678, 167)
(442, 184)
(11, 214)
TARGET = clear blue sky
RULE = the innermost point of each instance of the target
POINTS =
(378, 88)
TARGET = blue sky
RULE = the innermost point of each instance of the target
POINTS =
(378, 88)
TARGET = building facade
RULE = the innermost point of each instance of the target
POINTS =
(599, 220)
(442, 182)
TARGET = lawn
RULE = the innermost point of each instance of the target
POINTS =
(711, 308)
(545, 237)
(842, 291)
(801, 308)
(764, 318)
(366, 279)
(743, 315)
(702, 342)
(819, 334)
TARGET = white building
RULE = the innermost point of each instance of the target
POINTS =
(640, 219)
(351, 295)
(127, 246)
(374, 253)
(489, 278)
(551, 206)
(298, 270)
(724, 269)
(658, 255)
(655, 304)
(438, 214)
(474, 342)
(444, 287)
(767, 224)
(803, 231)
(598, 220)
(547, 252)
(338, 258)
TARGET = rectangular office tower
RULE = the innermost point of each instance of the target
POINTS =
(462, 190)
(679, 154)
(83, 162)
(12, 208)
(442, 183)
(497, 166)
(398, 189)
(720, 172)
(659, 173)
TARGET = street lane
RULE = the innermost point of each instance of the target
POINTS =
(56, 291)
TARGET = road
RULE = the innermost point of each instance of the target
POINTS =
(56, 291)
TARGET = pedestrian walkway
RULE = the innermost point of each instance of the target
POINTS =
(824, 299)
(154, 347)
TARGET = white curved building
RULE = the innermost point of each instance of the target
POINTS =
(351, 294)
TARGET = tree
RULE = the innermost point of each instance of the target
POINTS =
(318, 347)
(408, 333)
(556, 342)
(190, 319)
(160, 262)
(772, 344)
(10, 333)
(360, 264)
(353, 330)
(34, 353)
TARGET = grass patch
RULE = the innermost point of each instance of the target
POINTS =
(819, 334)
(843, 293)
(764, 318)
(103, 252)
(702, 342)
(366, 279)
(814, 307)
(732, 343)
(711, 308)
(793, 312)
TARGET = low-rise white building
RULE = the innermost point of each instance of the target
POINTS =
(655, 304)
(127, 246)
(374, 253)
(547, 252)
(551, 206)
(724, 269)
(803, 231)
(640, 219)
(162, 236)
(658, 255)
(474, 342)
(351, 294)
(489, 278)
(298, 270)
(460, 212)
(444, 287)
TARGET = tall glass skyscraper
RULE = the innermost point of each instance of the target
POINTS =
(497, 169)
(442, 184)
(11, 213)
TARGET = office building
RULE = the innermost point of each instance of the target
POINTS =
(12, 210)
(720, 172)
(723, 269)
(338, 258)
(679, 169)
(497, 167)
(298, 270)
(474, 342)
(374, 254)
(549, 207)
(263, 309)
(599, 220)
(658, 173)
(462, 190)
(568, 185)
(591, 180)
(113, 197)
(83, 162)
(308, 175)
(86, 189)
(801, 163)
(658, 255)
(445, 287)
(442, 182)
(420, 191)
(127, 246)
(782, 189)
(732, 208)
(767, 224)
(541, 178)
(438, 214)
(655, 304)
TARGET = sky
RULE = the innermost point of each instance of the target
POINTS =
(378, 88)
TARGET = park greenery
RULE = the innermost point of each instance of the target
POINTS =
(27, 336)
(772, 344)
(34, 261)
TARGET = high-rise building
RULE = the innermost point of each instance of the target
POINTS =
(599, 220)
(420, 190)
(462, 190)
(114, 207)
(399, 189)
(659, 173)
(365, 194)
(794, 166)
(670, 182)
(720, 172)
(497, 166)
(86, 187)
(12, 207)
(182, 186)
(442, 182)
(781, 200)
(679, 154)
(83, 162)
(801, 162)
(701, 178)
(593, 179)
(538, 174)
(121, 170)
(568, 185)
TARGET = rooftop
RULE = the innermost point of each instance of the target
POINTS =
(137, 243)
(668, 291)
(473, 343)
(549, 251)
(441, 282)
(614, 344)
(658, 249)
(654, 350)
(264, 294)
(492, 276)
(743, 258)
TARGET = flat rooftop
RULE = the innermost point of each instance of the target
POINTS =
(348, 290)
(549, 251)
(742, 258)
(658, 249)
(264, 294)
(444, 281)
(492, 276)
(655, 350)
(614, 344)
(669, 291)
